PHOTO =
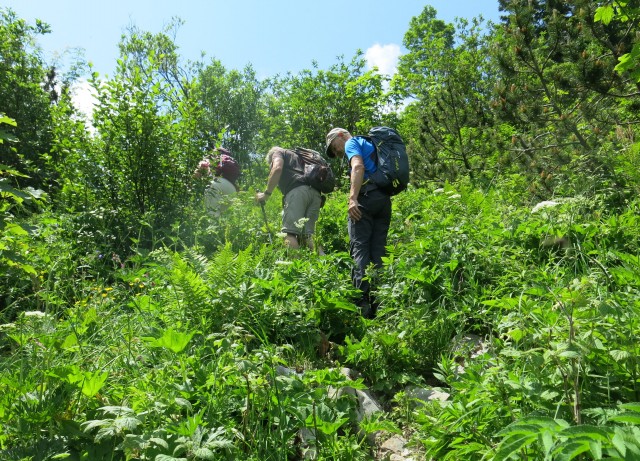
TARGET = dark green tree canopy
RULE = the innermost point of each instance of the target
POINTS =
(26, 95)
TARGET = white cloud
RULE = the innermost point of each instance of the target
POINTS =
(384, 57)
(84, 100)
(83, 97)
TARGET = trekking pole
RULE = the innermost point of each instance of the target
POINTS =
(266, 221)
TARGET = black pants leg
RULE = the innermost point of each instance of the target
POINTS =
(368, 238)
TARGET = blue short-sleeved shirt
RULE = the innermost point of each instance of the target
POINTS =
(362, 147)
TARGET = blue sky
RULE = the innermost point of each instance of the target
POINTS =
(275, 36)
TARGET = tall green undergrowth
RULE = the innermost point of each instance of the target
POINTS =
(229, 347)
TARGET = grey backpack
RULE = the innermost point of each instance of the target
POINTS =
(315, 170)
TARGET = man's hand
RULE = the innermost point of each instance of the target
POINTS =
(354, 210)
(261, 197)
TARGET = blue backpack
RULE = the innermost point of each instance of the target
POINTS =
(392, 160)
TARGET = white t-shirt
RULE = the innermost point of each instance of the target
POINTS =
(214, 194)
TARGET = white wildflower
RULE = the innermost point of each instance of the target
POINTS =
(455, 196)
(301, 222)
(38, 314)
(545, 204)
(438, 191)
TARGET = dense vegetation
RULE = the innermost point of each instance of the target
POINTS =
(133, 325)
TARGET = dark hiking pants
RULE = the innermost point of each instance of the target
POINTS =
(368, 238)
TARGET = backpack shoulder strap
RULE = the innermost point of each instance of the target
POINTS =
(310, 156)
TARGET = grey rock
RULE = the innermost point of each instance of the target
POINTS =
(308, 444)
(395, 444)
(421, 395)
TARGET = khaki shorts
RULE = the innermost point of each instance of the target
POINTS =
(301, 202)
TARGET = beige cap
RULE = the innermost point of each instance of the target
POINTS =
(333, 134)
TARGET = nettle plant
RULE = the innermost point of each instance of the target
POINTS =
(559, 378)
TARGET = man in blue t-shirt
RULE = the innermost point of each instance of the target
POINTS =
(369, 211)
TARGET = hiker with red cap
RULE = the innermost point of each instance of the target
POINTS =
(224, 171)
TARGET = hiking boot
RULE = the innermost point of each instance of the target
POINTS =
(374, 309)
(366, 309)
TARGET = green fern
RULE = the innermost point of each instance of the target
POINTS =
(191, 290)
(230, 268)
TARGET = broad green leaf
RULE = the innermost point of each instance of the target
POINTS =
(374, 424)
(245, 366)
(534, 423)
(631, 417)
(88, 425)
(71, 341)
(632, 406)
(512, 445)
(516, 334)
(143, 303)
(596, 449)
(8, 191)
(6, 136)
(11, 171)
(326, 427)
(547, 440)
(15, 229)
(29, 269)
(93, 382)
(604, 14)
(116, 410)
(183, 403)
(549, 395)
(216, 439)
(134, 442)
(632, 436)
(159, 442)
(61, 373)
(568, 450)
(36, 193)
(74, 374)
(619, 355)
(90, 316)
(106, 432)
(618, 442)
(521, 429)
(388, 340)
(204, 453)
(569, 354)
(536, 291)
(173, 340)
(128, 423)
(588, 431)
(7, 120)
(510, 352)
